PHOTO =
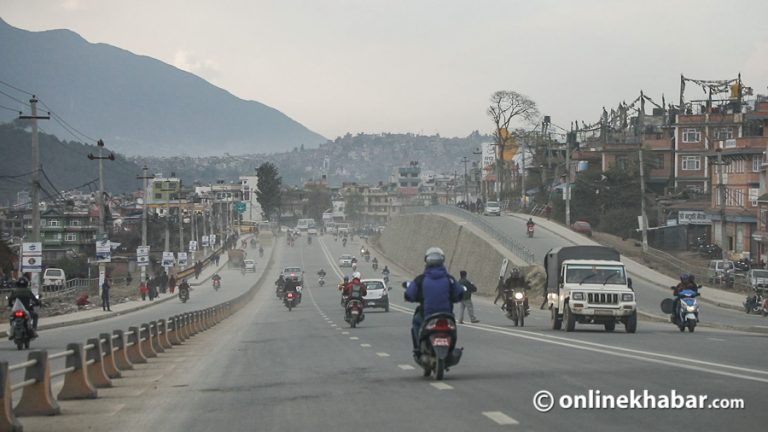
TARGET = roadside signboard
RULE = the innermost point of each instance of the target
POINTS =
(142, 255)
(205, 241)
(103, 250)
(182, 259)
(213, 240)
(193, 246)
(167, 259)
(504, 265)
(32, 257)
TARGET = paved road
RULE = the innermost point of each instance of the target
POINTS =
(233, 284)
(268, 369)
(649, 295)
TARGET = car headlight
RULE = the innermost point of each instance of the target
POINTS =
(628, 297)
(519, 295)
(577, 296)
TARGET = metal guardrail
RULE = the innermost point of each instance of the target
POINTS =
(519, 250)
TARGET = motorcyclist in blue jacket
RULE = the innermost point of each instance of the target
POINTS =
(435, 291)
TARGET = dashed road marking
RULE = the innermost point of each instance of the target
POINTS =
(500, 418)
(365, 345)
(382, 354)
(354, 337)
(716, 339)
(441, 386)
(345, 332)
(333, 325)
(406, 367)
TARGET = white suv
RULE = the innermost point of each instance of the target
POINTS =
(378, 293)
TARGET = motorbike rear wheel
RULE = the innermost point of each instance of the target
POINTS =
(440, 369)
(353, 322)
(691, 325)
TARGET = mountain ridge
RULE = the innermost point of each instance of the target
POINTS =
(139, 104)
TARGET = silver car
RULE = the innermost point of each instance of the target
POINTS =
(492, 208)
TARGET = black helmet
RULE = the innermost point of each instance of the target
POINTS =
(22, 282)
(434, 257)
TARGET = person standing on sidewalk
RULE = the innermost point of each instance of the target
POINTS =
(466, 299)
(105, 295)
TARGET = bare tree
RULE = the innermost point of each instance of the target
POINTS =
(508, 107)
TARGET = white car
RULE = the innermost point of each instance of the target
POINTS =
(249, 265)
(377, 295)
(345, 260)
(492, 208)
(312, 231)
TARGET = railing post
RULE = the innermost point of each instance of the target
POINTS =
(174, 332)
(8, 421)
(181, 327)
(96, 372)
(193, 323)
(37, 399)
(135, 354)
(163, 337)
(206, 318)
(155, 337)
(146, 343)
(76, 383)
(121, 355)
(110, 366)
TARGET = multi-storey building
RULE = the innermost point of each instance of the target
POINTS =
(67, 231)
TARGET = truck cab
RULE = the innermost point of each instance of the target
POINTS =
(589, 285)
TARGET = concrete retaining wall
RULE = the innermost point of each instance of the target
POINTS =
(407, 237)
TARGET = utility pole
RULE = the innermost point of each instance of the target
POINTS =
(643, 214)
(455, 191)
(36, 168)
(721, 191)
(522, 173)
(100, 203)
(570, 141)
(466, 191)
(181, 221)
(144, 177)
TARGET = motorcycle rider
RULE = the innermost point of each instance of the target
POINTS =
(515, 280)
(24, 294)
(292, 285)
(279, 285)
(530, 224)
(354, 289)
(261, 251)
(184, 286)
(216, 278)
(321, 273)
(374, 262)
(435, 290)
(686, 282)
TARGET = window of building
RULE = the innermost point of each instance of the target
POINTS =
(691, 163)
(657, 161)
(691, 135)
(753, 195)
(70, 237)
(74, 222)
(622, 163)
(733, 197)
(724, 133)
(158, 196)
(53, 223)
(757, 162)
(764, 217)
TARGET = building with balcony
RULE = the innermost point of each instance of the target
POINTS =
(66, 232)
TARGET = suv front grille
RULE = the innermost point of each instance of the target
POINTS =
(602, 298)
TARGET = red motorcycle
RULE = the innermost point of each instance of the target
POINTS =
(354, 312)
(216, 284)
(530, 230)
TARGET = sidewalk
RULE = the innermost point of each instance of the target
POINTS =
(96, 313)
(711, 295)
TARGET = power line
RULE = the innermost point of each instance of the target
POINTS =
(16, 88)
(16, 176)
(15, 99)
(51, 183)
(10, 109)
(63, 122)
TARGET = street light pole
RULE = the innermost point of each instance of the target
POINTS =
(466, 191)
(144, 177)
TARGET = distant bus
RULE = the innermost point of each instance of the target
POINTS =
(305, 224)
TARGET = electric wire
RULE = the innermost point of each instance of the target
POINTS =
(16, 88)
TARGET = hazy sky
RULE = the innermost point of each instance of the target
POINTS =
(427, 66)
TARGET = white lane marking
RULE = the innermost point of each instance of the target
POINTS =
(345, 332)
(674, 360)
(354, 337)
(500, 418)
(441, 386)
(333, 325)
(365, 345)
(406, 367)
(716, 339)
(382, 354)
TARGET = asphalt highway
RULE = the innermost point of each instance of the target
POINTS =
(269, 369)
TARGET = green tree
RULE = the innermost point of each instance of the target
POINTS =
(319, 200)
(269, 185)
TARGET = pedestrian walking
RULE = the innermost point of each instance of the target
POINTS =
(198, 269)
(172, 283)
(153, 288)
(466, 298)
(105, 295)
(144, 289)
